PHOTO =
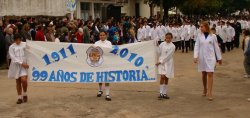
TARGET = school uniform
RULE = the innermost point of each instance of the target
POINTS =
(173, 31)
(207, 52)
(161, 32)
(192, 31)
(154, 34)
(18, 57)
(222, 32)
(185, 38)
(230, 37)
(147, 32)
(105, 44)
(141, 34)
(166, 52)
(178, 37)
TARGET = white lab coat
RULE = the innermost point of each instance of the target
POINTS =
(230, 33)
(222, 32)
(106, 44)
(179, 30)
(184, 33)
(147, 32)
(207, 51)
(154, 34)
(161, 32)
(192, 31)
(166, 52)
(173, 31)
(18, 57)
(141, 34)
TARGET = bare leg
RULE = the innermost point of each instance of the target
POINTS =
(19, 87)
(24, 83)
(166, 80)
(210, 85)
(204, 80)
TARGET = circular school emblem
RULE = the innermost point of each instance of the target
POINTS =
(94, 56)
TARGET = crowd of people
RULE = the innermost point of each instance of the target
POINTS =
(125, 30)
(179, 33)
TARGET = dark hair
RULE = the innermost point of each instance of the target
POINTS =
(213, 29)
(170, 34)
(17, 36)
(102, 31)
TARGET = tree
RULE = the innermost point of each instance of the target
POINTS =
(200, 7)
(167, 4)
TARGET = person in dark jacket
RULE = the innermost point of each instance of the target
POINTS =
(238, 31)
(2, 45)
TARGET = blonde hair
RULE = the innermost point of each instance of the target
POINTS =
(206, 25)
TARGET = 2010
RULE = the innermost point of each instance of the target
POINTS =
(56, 56)
(124, 53)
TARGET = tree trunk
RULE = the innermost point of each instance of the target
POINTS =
(165, 17)
(151, 10)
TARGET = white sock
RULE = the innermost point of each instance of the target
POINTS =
(19, 97)
(107, 90)
(24, 93)
(164, 89)
(161, 88)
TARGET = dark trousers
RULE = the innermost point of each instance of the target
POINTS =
(236, 41)
(177, 45)
(229, 45)
(192, 43)
(185, 45)
(223, 47)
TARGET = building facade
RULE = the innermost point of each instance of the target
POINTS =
(111, 8)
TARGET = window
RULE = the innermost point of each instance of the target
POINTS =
(85, 6)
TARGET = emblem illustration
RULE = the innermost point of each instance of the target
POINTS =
(94, 56)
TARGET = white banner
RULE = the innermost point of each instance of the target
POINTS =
(85, 63)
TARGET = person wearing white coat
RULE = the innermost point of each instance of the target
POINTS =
(147, 31)
(222, 32)
(141, 33)
(154, 33)
(230, 36)
(166, 64)
(185, 38)
(18, 68)
(103, 42)
(206, 54)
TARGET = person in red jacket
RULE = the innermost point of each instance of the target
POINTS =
(40, 34)
(79, 35)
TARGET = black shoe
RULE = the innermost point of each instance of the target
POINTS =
(160, 97)
(19, 101)
(165, 96)
(99, 94)
(108, 98)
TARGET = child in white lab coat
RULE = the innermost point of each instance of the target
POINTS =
(103, 42)
(18, 68)
(166, 64)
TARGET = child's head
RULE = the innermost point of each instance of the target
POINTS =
(102, 35)
(213, 30)
(168, 37)
(17, 38)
